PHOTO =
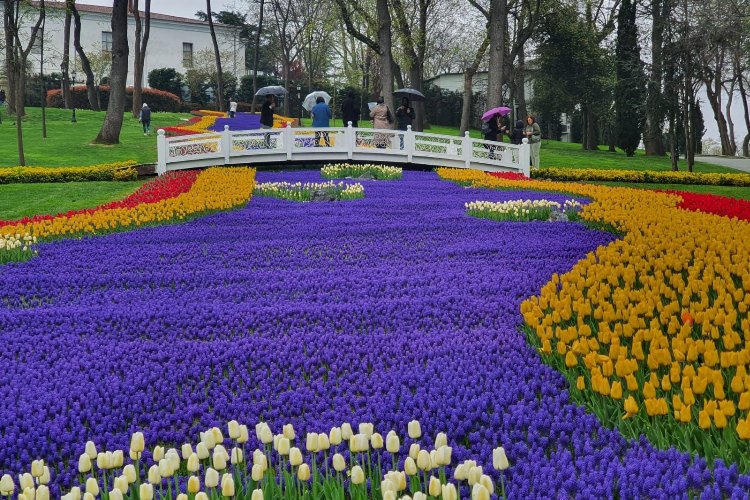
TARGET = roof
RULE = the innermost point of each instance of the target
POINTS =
(98, 9)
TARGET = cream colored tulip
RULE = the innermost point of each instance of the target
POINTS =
(154, 477)
(444, 454)
(193, 484)
(410, 466)
(221, 450)
(227, 485)
(37, 468)
(479, 492)
(42, 492)
(303, 473)
(121, 484)
(376, 441)
(165, 468)
(103, 460)
(441, 440)
(460, 473)
(182, 496)
(311, 442)
(367, 429)
(234, 429)
(486, 481)
(499, 459)
(29, 494)
(361, 443)
(218, 436)
(324, 444)
(207, 438)
(475, 473)
(358, 475)
(257, 473)
(288, 431)
(201, 450)
(387, 485)
(414, 451)
(174, 459)
(25, 481)
(212, 478)
(237, 457)
(423, 460)
(284, 446)
(92, 486)
(415, 429)
(7, 486)
(419, 496)
(295, 456)
(137, 442)
(129, 472)
(115, 494)
(219, 461)
(263, 433)
(435, 488)
(260, 459)
(449, 492)
(193, 463)
(146, 491)
(186, 450)
(339, 463)
(201, 496)
(75, 493)
(433, 459)
(257, 495)
(389, 495)
(346, 431)
(392, 443)
(45, 477)
(335, 436)
(88, 496)
(91, 450)
(158, 453)
(243, 437)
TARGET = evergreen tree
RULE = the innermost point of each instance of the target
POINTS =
(630, 90)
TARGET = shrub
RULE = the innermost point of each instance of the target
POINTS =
(655, 177)
(158, 100)
(120, 171)
(166, 79)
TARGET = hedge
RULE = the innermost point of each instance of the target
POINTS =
(646, 176)
(120, 171)
(157, 100)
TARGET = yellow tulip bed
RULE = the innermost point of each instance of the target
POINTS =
(644, 176)
(651, 331)
(214, 189)
(119, 171)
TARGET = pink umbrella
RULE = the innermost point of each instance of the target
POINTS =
(502, 110)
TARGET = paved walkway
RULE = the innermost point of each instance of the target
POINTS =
(742, 164)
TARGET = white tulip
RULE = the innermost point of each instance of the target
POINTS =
(499, 459)
(129, 473)
(227, 485)
(311, 442)
(92, 486)
(415, 429)
(243, 437)
(91, 450)
(25, 481)
(193, 484)
(237, 457)
(186, 450)
(335, 436)
(234, 429)
(288, 431)
(323, 442)
(392, 443)
(7, 486)
(339, 463)
(441, 440)
(346, 431)
(146, 491)
(212, 478)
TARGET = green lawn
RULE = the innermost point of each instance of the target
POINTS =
(730, 191)
(25, 200)
(69, 144)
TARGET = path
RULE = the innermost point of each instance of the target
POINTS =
(741, 164)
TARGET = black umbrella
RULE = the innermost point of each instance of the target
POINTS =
(411, 94)
(273, 90)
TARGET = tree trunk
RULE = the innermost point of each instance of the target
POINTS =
(42, 87)
(110, 131)
(714, 99)
(469, 73)
(653, 140)
(10, 72)
(91, 90)
(415, 76)
(520, 80)
(217, 54)
(141, 43)
(286, 63)
(590, 141)
(256, 51)
(730, 122)
(496, 28)
(386, 56)
(746, 109)
(65, 67)
(687, 103)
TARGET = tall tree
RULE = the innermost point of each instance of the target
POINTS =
(42, 86)
(256, 52)
(65, 66)
(288, 30)
(661, 11)
(469, 73)
(91, 89)
(217, 54)
(497, 30)
(629, 90)
(141, 43)
(110, 131)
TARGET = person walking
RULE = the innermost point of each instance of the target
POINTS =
(145, 119)
(534, 133)
(321, 114)
(2, 97)
(266, 117)
(517, 134)
(404, 117)
(232, 108)
(349, 110)
(381, 119)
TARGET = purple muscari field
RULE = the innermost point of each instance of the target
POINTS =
(241, 121)
(395, 307)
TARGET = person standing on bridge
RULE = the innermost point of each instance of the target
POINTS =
(381, 119)
(266, 117)
(534, 133)
(350, 110)
(321, 115)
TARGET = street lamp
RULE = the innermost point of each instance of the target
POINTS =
(72, 97)
(299, 103)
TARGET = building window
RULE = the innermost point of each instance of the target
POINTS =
(187, 55)
(106, 41)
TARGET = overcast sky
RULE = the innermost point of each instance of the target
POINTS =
(183, 8)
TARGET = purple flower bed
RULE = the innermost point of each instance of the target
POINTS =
(241, 121)
(387, 309)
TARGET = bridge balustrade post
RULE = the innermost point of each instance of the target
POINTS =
(409, 143)
(226, 144)
(288, 140)
(468, 149)
(524, 157)
(350, 139)
(161, 152)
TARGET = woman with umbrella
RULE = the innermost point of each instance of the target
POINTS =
(404, 117)
(492, 125)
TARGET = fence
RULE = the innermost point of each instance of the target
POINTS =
(338, 144)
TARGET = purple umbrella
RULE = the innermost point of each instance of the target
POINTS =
(502, 110)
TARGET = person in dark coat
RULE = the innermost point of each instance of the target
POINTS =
(349, 110)
(145, 119)
(2, 97)
(404, 114)
(517, 135)
(491, 130)
(266, 117)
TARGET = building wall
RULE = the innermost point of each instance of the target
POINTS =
(164, 47)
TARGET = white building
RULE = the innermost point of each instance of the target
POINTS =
(454, 82)
(174, 42)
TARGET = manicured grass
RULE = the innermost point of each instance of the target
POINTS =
(730, 191)
(69, 144)
(26, 200)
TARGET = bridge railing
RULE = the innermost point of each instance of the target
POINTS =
(338, 144)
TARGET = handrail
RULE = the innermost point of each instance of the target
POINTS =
(338, 144)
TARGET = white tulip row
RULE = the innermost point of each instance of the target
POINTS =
(283, 474)
(338, 170)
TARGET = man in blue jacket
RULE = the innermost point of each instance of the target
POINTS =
(321, 114)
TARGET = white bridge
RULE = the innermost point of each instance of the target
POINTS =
(248, 147)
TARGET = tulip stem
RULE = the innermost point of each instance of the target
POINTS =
(502, 484)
